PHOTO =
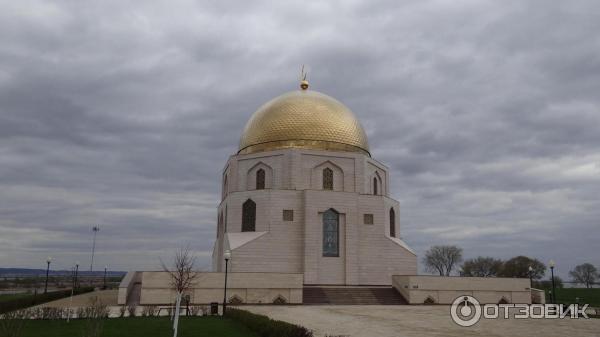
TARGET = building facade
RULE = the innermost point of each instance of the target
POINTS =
(303, 195)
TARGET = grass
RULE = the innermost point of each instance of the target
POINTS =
(141, 327)
(9, 297)
(29, 300)
(568, 295)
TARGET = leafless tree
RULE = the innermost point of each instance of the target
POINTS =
(182, 276)
(584, 273)
(442, 259)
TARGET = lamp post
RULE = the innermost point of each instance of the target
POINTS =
(227, 256)
(75, 285)
(530, 277)
(72, 291)
(105, 268)
(552, 264)
(48, 260)
(95, 230)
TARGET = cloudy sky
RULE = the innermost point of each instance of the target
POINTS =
(123, 113)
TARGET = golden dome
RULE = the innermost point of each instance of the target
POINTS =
(303, 119)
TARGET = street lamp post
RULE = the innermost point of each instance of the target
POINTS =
(95, 230)
(105, 268)
(552, 264)
(530, 277)
(227, 256)
(48, 260)
(76, 284)
(72, 291)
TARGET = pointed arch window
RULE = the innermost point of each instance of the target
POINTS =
(249, 216)
(392, 223)
(260, 179)
(327, 179)
(375, 186)
(331, 234)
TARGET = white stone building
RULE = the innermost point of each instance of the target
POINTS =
(307, 216)
(303, 195)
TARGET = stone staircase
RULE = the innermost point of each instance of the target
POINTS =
(352, 296)
(135, 294)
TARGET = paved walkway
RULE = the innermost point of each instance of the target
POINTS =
(417, 321)
(108, 297)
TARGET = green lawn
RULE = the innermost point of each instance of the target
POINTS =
(568, 295)
(8, 297)
(141, 327)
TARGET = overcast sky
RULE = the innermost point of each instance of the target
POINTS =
(123, 113)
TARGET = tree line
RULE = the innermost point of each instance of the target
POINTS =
(448, 259)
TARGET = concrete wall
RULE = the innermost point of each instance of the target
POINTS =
(208, 287)
(298, 169)
(379, 256)
(443, 290)
(281, 249)
(538, 296)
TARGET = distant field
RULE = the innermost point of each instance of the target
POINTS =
(569, 295)
(141, 327)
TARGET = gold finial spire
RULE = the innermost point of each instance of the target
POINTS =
(303, 81)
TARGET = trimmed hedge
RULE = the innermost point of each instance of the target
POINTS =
(29, 301)
(266, 327)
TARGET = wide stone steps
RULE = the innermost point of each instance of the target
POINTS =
(352, 296)
(135, 294)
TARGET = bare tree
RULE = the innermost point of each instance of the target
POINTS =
(442, 259)
(182, 277)
(584, 273)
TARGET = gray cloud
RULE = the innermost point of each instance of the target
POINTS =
(123, 115)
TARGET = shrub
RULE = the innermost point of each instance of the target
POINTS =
(266, 327)
(12, 322)
(194, 310)
(95, 315)
(34, 313)
(131, 310)
(50, 313)
(204, 310)
(279, 300)
(547, 284)
(96, 309)
(35, 299)
(81, 312)
(149, 311)
(44, 313)
(122, 310)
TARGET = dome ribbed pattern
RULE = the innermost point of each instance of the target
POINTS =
(303, 119)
